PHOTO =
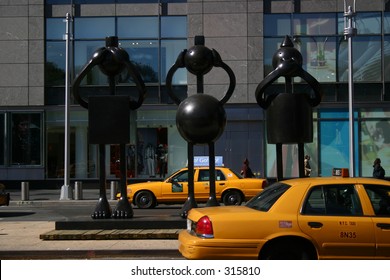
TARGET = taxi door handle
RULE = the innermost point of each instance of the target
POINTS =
(383, 225)
(221, 184)
(315, 224)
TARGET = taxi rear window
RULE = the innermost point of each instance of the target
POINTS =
(264, 200)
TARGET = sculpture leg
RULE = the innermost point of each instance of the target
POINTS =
(123, 208)
(190, 202)
(102, 209)
(279, 161)
(212, 196)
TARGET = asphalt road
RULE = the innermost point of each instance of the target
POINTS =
(45, 205)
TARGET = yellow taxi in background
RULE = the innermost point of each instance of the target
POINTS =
(231, 188)
(334, 217)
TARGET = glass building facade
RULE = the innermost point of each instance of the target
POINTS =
(153, 32)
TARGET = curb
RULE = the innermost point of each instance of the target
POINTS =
(91, 254)
(111, 234)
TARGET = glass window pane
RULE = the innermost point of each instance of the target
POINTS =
(173, 27)
(386, 53)
(368, 23)
(386, 23)
(334, 145)
(2, 138)
(55, 28)
(367, 64)
(144, 54)
(271, 45)
(26, 139)
(170, 50)
(277, 24)
(319, 56)
(314, 24)
(83, 51)
(137, 27)
(94, 28)
(55, 63)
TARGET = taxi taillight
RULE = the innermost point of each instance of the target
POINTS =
(340, 172)
(204, 228)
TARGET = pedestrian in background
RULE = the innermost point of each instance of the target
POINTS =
(378, 171)
(246, 171)
(307, 166)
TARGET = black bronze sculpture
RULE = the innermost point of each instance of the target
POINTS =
(200, 118)
(109, 118)
(289, 115)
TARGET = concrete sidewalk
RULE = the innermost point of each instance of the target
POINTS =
(21, 240)
(41, 239)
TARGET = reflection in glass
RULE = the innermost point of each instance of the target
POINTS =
(319, 56)
(55, 64)
(374, 140)
(277, 24)
(94, 28)
(366, 23)
(144, 55)
(386, 54)
(367, 62)
(55, 28)
(314, 24)
(170, 49)
(174, 27)
(26, 139)
(137, 27)
(2, 137)
(83, 51)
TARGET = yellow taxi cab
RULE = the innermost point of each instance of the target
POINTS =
(334, 217)
(231, 188)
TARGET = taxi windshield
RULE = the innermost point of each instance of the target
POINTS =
(264, 200)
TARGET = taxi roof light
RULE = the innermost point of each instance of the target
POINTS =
(340, 172)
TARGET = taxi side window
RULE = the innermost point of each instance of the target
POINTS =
(181, 177)
(219, 176)
(204, 175)
(380, 199)
(333, 200)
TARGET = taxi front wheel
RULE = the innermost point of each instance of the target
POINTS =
(145, 199)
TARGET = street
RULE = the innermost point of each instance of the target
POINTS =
(45, 205)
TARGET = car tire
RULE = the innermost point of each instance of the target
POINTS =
(287, 250)
(232, 197)
(145, 199)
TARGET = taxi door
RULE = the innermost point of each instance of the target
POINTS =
(378, 197)
(382, 233)
(202, 184)
(176, 187)
(332, 216)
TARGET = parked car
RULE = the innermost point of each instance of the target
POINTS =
(231, 188)
(334, 217)
(4, 197)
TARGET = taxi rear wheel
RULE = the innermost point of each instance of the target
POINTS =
(232, 197)
(288, 250)
(145, 199)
